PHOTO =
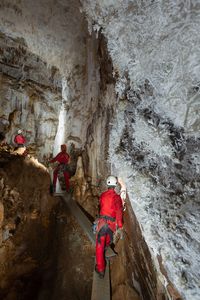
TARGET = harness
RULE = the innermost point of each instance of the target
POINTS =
(63, 167)
(104, 228)
(103, 231)
(107, 218)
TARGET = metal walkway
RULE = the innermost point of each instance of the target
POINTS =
(100, 287)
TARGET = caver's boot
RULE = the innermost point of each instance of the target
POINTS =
(101, 274)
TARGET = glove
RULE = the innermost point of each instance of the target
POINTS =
(124, 206)
(94, 228)
(123, 195)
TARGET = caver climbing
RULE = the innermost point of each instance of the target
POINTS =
(110, 219)
(63, 159)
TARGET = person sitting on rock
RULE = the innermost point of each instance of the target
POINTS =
(63, 159)
(19, 139)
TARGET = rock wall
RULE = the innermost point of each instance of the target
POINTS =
(73, 108)
(55, 30)
(26, 209)
(30, 96)
(154, 143)
(40, 241)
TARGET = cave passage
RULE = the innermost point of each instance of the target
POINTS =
(47, 248)
(116, 82)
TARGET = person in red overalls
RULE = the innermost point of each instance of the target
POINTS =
(63, 159)
(110, 219)
(19, 139)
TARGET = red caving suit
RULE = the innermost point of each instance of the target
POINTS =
(110, 207)
(63, 159)
(19, 140)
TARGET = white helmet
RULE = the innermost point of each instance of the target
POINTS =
(111, 181)
(19, 131)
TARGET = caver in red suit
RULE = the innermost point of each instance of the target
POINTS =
(20, 140)
(63, 159)
(110, 219)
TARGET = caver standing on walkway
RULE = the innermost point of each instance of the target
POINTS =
(110, 219)
(63, 159)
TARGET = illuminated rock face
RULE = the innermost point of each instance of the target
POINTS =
(154, 46)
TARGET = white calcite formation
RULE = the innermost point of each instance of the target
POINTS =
(155, 140)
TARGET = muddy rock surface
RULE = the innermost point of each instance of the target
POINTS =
(43, 251)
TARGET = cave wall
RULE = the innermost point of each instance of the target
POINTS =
(44, 254)
(56, 88)
(30, 96)
(154, 143)
(26, 221)
(53, 30)
(39, 38)
(79, 106)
